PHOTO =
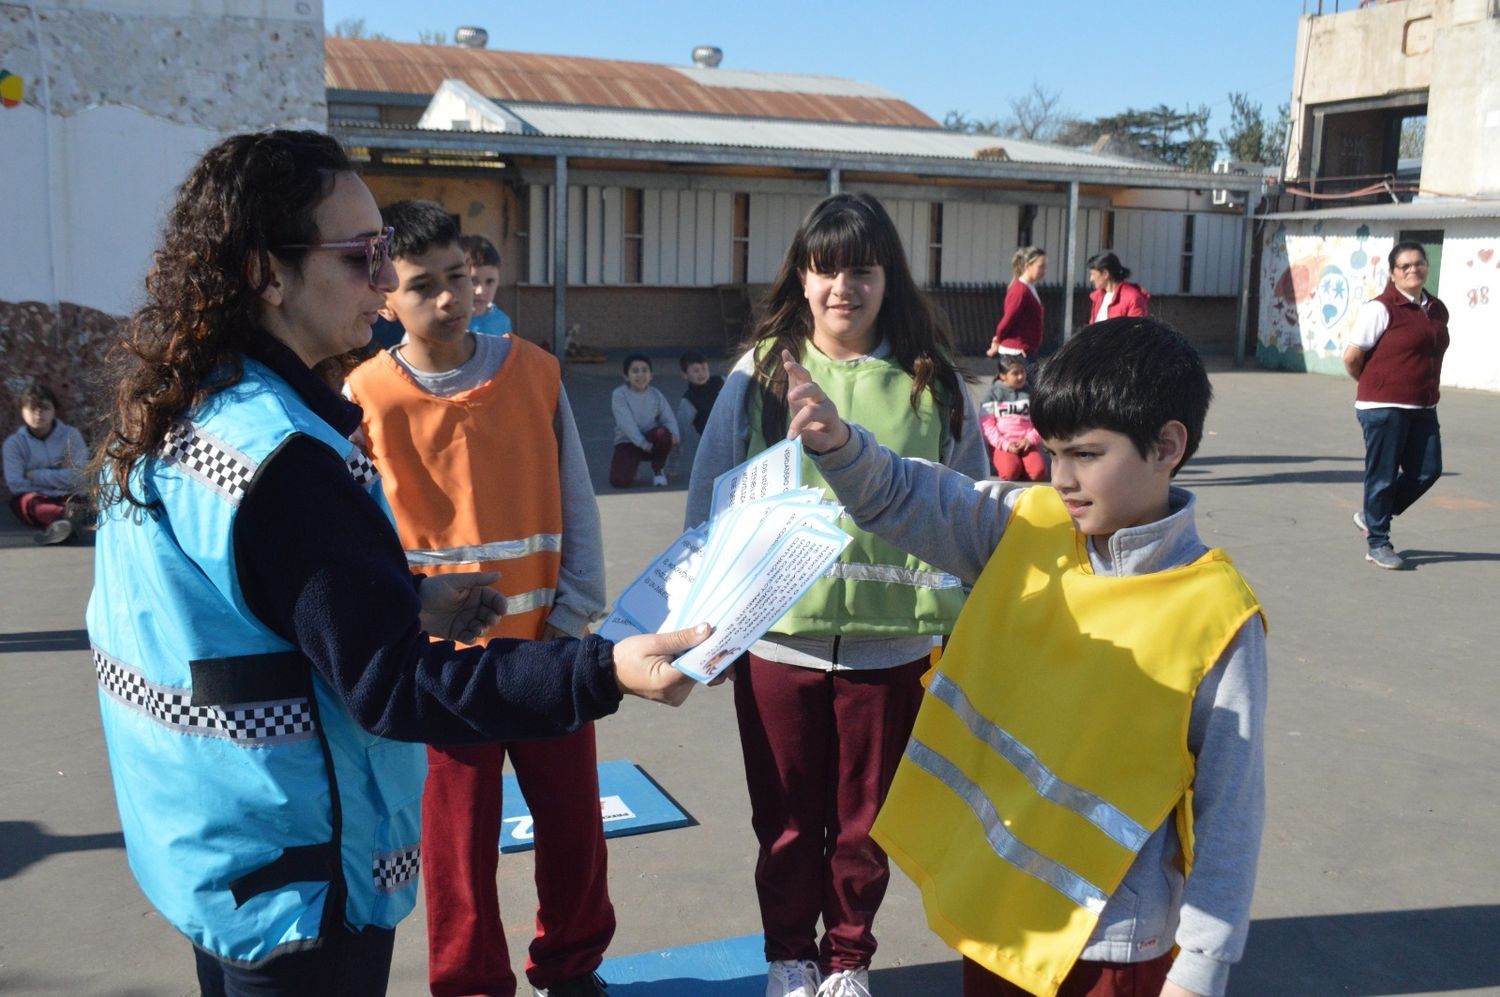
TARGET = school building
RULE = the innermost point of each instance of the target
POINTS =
(684, 185)
(1395, 135)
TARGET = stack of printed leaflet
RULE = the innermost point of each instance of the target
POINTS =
(766, 541)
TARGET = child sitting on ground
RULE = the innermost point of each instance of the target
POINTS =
(645, 428)
(44, 461)
(702, 391)
(484, 268)
(476, 444)
(1005, 420)
(1098, 786)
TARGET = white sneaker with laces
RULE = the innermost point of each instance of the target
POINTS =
(793, 978)
(846, 983)
(659, 480)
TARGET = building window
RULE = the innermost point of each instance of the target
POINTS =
(935, 244)
(1107, 231)
(740, 241)
(1187, 253)
(634, 235)
(1024, 231)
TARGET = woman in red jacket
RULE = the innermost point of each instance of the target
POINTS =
(1020, 330)
(1114, 296)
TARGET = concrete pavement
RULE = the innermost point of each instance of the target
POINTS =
(1380, 872)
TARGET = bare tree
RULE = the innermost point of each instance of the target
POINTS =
(425, 37)
(1037, 114)
(354, 27)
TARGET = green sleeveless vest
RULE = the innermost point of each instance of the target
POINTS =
(874, 590)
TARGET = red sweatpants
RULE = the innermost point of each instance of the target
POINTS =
(821, 749)
(1087, 979)
(627, 457)
(460, 851)
(38, 510)
(1028, 466)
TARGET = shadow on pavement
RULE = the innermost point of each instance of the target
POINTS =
(26, 844)
(37, 641)
(1420, 557)
(1382, 952)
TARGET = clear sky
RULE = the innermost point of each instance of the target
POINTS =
(940, 55)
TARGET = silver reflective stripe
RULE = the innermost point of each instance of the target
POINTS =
(1007, 845)
(1085, 804)
(251, 724)
(500, 550)
(393, 870)
(893, 575)
(204, 457)
(525, 602)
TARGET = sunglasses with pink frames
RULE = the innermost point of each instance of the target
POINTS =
(377, 250)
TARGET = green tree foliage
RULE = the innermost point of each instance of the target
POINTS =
(958, 121)
(1251, 137)
(354, 27)
(425, 37)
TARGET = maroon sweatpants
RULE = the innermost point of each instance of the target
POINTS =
(1088, 979)
(460, 850)
(627, 458)
(1028, 466)
(38, 510)
(821, 749)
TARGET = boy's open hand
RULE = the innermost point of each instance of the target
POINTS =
(643, 664)
(460, 606)
(815, 418)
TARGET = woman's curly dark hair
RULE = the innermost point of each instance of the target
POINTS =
(854, 230)
(247, 197)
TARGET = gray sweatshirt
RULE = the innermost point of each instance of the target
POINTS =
(956, 523)
(638, 412)
(580, 580)
(52, 466)
(725, 444)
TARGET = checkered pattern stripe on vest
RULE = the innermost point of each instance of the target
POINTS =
(394, 870)
(204, 457)
(252, 724)
(364, 472)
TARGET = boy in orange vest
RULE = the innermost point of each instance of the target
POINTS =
(1084, 788)
(484, 470)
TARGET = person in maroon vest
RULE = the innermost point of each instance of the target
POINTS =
(1395, 354)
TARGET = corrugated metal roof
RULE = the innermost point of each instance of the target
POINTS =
(839, 139)
(1434, 208)
(397, 67)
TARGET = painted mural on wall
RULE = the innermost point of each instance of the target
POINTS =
(12, 89)
(1312, 285)
(1471, 289)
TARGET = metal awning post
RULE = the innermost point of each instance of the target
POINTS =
(835, 179)
(1070, 259)
(1242, 319)
(560, 257)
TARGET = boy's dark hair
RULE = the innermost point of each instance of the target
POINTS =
(689, 358)
(632, 358)
(1405, 246)
(1127, 375)
(420, 226)
(37, 395)
(479, 251)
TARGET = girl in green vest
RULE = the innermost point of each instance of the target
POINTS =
(827, 699)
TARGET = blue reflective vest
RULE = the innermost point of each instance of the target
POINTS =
(256, 812)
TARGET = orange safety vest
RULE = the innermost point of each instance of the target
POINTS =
(474, 479)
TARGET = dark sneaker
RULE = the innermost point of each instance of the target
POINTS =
(1359, 523)
(55, 533)
(588, 985)
(1385, 556)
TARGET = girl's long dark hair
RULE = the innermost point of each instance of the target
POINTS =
(843, 231)
(247, 196)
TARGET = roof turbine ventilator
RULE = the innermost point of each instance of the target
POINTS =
(469, 36)
(708, 56)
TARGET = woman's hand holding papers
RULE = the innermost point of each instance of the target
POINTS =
(815, 418)
(643, 664)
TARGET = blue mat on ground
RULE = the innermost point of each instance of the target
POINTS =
(733, 967)
(631, 802)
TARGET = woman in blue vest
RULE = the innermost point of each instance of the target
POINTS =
(826, 700)
(262, 650)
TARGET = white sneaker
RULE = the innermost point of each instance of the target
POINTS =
(793, 978)
(659, 480)
(846, 983)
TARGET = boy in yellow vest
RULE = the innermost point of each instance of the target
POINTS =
(1082, 799)
(483, 467)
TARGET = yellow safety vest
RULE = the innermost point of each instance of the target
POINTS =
(1053, 742)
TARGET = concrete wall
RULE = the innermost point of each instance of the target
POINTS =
(1462, 154)
(1315, 274)
(617, 318)
(484, 206)
(120, 97)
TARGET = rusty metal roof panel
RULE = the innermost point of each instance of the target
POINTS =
(398, 67)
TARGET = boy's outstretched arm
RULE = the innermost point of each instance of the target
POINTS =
(947, 519)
